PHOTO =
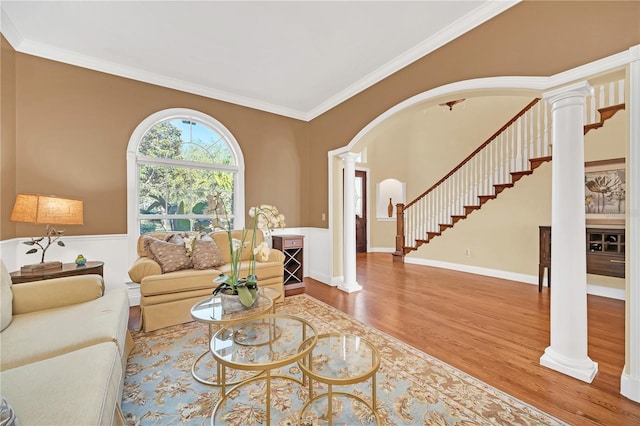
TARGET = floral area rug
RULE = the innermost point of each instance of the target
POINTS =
(413, 388)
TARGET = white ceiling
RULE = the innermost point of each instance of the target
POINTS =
(297, 59)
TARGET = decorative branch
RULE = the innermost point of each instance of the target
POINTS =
(51, 237)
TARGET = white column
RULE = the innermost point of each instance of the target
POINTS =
(349, 283)
(568, 351)
(630, 379)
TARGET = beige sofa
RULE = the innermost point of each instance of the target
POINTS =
(64, 347)
(166, 298)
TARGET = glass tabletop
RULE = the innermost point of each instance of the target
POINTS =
(340, 359)
(210, 311)
(263, 343)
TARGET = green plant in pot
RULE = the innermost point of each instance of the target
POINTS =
(265, 218)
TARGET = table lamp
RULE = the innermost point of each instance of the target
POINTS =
(49, 210)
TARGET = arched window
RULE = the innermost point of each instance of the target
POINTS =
(176, 159)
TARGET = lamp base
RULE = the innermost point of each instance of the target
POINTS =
(39, 267)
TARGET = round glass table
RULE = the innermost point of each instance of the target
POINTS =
(338, 360)
(260, 344)
(209, 311)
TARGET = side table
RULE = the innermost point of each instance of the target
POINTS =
(209, 311)
(292, 246)
(67, 270)
(339, 360)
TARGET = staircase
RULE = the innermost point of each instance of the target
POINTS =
(514, 151)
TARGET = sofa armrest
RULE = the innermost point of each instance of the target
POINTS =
(276, 256)
(54, 293)
(144, 267)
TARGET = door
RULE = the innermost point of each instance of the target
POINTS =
(361, 211)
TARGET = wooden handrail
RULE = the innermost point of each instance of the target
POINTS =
(470, 156)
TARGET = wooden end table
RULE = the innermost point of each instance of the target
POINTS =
(67, 270)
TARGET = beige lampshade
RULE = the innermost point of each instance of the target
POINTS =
(47, 209)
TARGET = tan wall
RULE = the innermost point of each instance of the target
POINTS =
(7, 138)
(424, 142)
(74, 126)
(503, 235)
(530, 39)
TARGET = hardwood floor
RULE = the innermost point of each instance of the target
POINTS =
(495, 330)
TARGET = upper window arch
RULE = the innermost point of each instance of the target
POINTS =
(177, 158)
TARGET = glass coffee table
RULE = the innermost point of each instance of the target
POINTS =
(338, 360)
(209, 311)
(260, 345)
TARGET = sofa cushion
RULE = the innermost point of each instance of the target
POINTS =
(179, 281)
(264, 270)
(82, 387)
(222, 240)
(6, 297)
(171, 257)
(206, 254)
(44, 334)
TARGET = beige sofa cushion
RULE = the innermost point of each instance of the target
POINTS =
(179, 281)
(83, 387)
(6, 297)
(44, 334)
(222, 240)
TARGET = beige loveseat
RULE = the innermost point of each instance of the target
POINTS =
(166, 298)
(64, 348)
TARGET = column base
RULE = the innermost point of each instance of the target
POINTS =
(584, 370)
(630, 387)
(350, 288)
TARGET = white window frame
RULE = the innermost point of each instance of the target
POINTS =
(133, 224)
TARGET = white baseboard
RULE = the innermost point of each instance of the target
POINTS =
(381, 249)
(596, 290)
(630, 386)
(134, 293)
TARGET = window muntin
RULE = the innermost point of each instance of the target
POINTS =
(180, 161)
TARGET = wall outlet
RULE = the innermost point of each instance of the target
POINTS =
(467, 252)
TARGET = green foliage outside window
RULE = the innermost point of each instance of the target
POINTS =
(180, 163)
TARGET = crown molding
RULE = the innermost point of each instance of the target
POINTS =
(463, 25)
(474, 18)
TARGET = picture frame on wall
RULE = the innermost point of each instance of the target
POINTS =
(605, 192)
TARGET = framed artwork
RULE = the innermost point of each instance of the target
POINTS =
(605, 192)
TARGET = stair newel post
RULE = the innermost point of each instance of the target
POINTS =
(399, 253)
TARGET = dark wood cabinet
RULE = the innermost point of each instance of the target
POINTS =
(545, 256)
(292, 246)
(605, 252)
(67, 270)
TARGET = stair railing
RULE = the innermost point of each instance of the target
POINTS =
(502, 156)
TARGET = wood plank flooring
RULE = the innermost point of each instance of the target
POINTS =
(495, 330)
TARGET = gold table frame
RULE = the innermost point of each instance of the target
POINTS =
(210, 311)
(364, 371)
(224, 355)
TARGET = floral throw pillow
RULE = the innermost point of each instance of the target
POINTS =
(206, 254)
(170, 257)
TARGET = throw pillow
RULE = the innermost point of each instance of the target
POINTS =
(6, 297)
(170, 257)
(7, 415)
(206, 254)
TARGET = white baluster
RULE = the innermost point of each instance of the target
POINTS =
(538, 108)
(621, 91)
(601, 97)
(612, 93)
(546, 128)
(532, 153)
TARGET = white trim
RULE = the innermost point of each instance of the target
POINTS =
(630, 380)
(478, 16)
(132, 149)
(595, 290)
(382, 249)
